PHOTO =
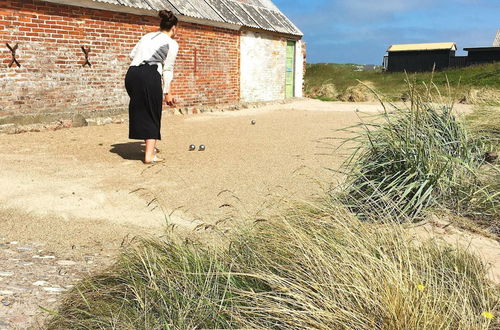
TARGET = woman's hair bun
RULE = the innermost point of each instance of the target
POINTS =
(166, 14)
(168, 20)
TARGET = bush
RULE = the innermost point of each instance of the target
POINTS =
(325, 92)
(358, 93)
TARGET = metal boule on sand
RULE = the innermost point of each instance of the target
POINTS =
(202, 147)
(192, 147)
(254, 122)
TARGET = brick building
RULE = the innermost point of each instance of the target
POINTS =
(231, 51)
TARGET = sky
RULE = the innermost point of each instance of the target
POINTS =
(360, 31)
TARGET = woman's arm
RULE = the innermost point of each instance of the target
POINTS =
(168, 66)
(134, 51)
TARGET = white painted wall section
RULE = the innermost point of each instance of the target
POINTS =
(299, 69)
(263, 62)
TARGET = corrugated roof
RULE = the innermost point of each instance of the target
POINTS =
(426, 46)
(242, 15)
(260, 14)
(224, 11)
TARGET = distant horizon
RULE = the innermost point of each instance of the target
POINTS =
(357, 31)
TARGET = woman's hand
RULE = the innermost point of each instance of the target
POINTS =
(170, 100)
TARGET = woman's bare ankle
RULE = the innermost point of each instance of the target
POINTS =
(152, 159)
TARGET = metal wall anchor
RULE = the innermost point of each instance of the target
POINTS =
(13, 51)
(86, 52)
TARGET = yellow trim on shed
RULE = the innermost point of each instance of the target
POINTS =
(427, 46)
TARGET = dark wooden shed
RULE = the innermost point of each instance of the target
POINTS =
(420, 57)
(483, 55)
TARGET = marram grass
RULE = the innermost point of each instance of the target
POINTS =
(413, 157)
(318, 267)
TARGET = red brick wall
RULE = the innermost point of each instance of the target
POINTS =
(52, 79)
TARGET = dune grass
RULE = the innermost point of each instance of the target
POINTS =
(422, 155)
(316, 267)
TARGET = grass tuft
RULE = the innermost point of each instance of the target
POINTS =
(317, 267)
(411, 158)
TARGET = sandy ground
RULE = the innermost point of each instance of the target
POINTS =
(70, 198)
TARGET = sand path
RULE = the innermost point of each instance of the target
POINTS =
(96, 172)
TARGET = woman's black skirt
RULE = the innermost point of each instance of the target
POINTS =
(144, 87)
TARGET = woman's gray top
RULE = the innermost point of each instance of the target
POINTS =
(157, 48)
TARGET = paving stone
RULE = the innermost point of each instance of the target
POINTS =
(107, 121)
(43, 257)
(54, 290)
(25, 248)
(79, 121)
(66, 263)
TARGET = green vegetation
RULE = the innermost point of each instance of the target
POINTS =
(393, 85)
(344, 262)
(411, 158)
(318, 267)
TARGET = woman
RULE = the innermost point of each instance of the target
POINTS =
(153, 58)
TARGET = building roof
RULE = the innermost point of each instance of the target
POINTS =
(496, 42)
(482, 49)
(259, 14)
(427, 46)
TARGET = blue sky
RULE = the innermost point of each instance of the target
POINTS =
(359, 31)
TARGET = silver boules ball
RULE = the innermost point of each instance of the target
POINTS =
(254, 122)
(202, 147)
(192, 147)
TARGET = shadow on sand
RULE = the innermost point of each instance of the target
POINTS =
(129, 151)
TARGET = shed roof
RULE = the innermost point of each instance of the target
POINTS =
(482, 49)
(425, 46)
(260, 14)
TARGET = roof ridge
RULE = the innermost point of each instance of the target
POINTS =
(423, 46)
